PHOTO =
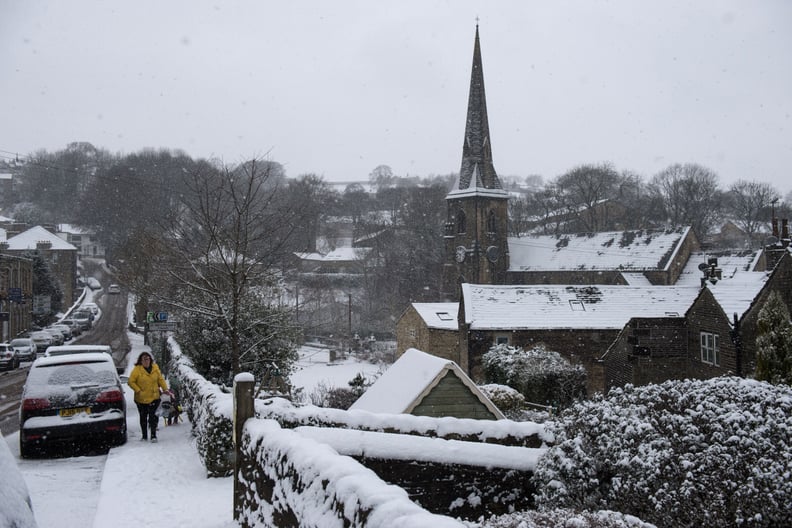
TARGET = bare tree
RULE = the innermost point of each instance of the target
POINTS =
(690, 196)
(227, 240)
(750, 203)
(583, 188)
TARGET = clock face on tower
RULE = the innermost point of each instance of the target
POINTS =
(460, 253)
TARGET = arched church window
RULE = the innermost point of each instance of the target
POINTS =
(492, 222)
(460, 221)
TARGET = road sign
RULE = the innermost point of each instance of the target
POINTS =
(162, 327)
(15, 294)
(154, 317)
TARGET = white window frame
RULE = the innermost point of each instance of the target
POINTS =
(710, 348)
(501, 340)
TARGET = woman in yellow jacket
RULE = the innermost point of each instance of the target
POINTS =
(146, 380)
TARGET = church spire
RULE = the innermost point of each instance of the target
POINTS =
(477, 172)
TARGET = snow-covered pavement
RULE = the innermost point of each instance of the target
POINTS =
(144, 484)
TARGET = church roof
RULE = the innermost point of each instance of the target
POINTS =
(539, 307)
(636, 250)
(477, 174)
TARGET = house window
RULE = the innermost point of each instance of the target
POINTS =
(710, 350)
(501, 340)
(460, 221)
(412, 333)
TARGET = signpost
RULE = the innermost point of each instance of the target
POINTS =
(162, 326)
(154, 317)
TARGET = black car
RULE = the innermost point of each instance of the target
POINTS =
(69, 400)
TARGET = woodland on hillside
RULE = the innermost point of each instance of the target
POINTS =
(135, 203)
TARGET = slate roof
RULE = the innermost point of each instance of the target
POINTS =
(442, 316)
(537, 307)
(30, 238)
(638, 250)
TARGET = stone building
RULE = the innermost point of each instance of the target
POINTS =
(16, 295)
(56, 252)
(432, 328)
(632, 306)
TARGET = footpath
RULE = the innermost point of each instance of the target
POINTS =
(162, 484)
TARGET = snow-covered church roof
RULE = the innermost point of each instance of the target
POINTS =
(535, 307)
(636, 250)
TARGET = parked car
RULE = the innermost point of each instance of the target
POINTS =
(8, 357)
(77, 349)
(63, 329)
(91, 306)
(25, 348)
(82, 319)
(93, 283)
(42, 340)
(57, 335)
(76, 328)
(71, 399)
(114, 288)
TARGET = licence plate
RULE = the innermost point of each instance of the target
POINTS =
(77, 410)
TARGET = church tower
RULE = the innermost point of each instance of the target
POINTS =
(476, 247)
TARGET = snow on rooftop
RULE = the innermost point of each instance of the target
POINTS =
(442, 316)
(342, 254)
(611, 250)
(738, 286)
(512, 307)
(29, 240)
(402, 383)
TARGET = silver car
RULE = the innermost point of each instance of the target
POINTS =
(25, 348)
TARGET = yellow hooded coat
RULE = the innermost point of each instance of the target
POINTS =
(147, 384)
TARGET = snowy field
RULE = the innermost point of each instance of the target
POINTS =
(314, 370)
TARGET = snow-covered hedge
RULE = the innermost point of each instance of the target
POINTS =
(541, 375)
(210, 411)
(684, 453)
(296, 481)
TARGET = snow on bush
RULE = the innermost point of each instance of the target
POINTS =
(684, 453)
(563, 518)
(541, 375)
(508, 400)
(774, 342)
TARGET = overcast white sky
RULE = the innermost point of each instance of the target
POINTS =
(337, 88)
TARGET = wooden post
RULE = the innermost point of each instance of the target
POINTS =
(243, 409)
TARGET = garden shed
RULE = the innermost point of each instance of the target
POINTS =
(425, 385)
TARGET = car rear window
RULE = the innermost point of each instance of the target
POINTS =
(70, 374)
